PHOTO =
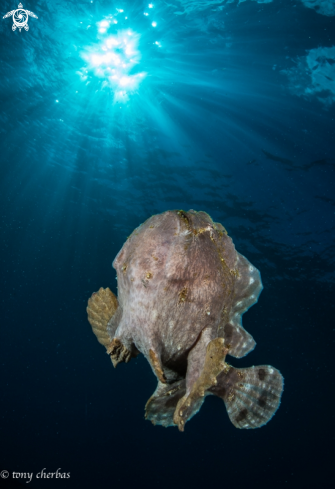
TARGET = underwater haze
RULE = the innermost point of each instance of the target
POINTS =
(112, 112)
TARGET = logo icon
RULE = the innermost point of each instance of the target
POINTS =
(20, 18)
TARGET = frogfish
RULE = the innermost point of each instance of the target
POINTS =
(182, 291)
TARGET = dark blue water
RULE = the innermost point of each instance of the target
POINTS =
(222, 107)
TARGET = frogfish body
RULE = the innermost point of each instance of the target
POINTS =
(182, 290)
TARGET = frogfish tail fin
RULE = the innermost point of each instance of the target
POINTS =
(251, 395)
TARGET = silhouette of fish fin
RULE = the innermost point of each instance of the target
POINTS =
(162, 404)
(248, 286)
(237, 339)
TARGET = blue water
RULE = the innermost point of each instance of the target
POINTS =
(219, 106)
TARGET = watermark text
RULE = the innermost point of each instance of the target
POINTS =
(28, 476)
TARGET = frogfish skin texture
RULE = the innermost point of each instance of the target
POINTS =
(182, 289)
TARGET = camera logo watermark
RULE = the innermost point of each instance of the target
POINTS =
(28, 476)
(20, 18)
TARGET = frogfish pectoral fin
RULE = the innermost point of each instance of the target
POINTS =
(190, 404)
(101, 308)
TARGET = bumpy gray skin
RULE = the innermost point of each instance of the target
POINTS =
(181, 286)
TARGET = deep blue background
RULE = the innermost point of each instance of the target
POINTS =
(222, 123)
